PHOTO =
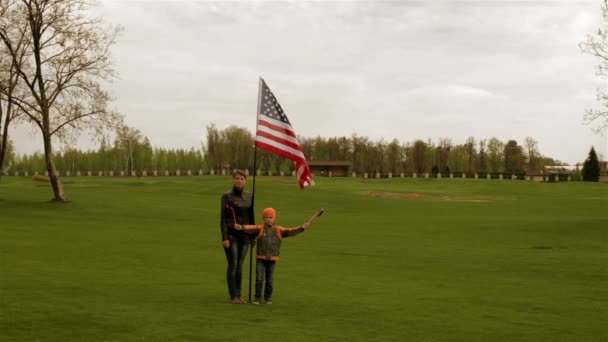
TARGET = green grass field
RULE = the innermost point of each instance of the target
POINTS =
(391, 260)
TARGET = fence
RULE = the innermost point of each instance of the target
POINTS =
(563, 177)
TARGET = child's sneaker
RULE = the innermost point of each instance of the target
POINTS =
(268, 302)
(256, 302)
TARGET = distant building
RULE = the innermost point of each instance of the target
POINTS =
(535, 176)
(563, 168)
(335, 168)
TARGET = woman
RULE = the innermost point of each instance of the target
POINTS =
(237, 205)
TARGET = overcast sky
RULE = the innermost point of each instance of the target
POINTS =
(382, 69)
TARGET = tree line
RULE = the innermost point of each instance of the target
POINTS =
(233, 147)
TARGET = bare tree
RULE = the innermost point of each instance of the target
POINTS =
(67, 57)
(470, 147)
(214, 148)
(359, 152)
(597, 45)
(9, 86)
(443, 154)
(483, 156)
(533, 155)
(128, 140)
(8, 82)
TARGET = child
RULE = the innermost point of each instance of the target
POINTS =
(269, 247)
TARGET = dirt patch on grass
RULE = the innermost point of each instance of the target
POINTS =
(65, 183)
(429, 197)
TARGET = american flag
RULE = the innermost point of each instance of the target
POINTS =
(275, 134)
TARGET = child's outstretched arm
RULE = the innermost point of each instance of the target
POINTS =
(287, 232)
(247, 228)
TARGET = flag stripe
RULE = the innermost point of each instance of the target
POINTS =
(278, 134)
(304, 177)
(268, 122)
(281, 141)
(290, 153)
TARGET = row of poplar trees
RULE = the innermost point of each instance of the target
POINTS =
(233, 147)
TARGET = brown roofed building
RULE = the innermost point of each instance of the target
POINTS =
(535, 175)
(334, 168)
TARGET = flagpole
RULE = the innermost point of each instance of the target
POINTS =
(255, 171)
(255, 150)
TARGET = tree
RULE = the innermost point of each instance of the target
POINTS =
(495, 155)
(9, 154)
(129, 142)
(232, 148)
(145, 155)
(333, 149)
(307, 146)
(532, 153)
(591, 167)
(429, 155)
(238, 145)
(6, 90)
(597, 45)
(9, 88)
(483, 157)
(470, 148)
(67, 56)
(457, 161)
(419, 155)
(394, 156)
(442, 154)
(213, 149)
(346, 149)
(321, 150)
(359, 153)
(514, 157)
(376, 157)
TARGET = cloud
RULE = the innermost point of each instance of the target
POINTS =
(586, 95)
(449, 90)
(405, 70)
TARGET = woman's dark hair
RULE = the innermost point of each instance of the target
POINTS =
(239, 172)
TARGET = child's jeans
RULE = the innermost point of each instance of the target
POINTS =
(264, 269)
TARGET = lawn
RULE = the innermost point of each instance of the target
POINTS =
(390, 260)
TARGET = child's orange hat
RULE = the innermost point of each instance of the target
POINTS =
(269, 211)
